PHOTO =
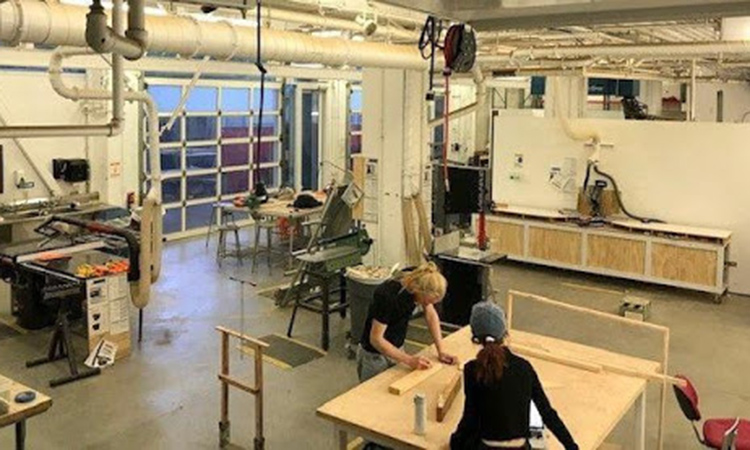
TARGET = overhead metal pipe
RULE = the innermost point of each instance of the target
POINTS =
(652, 51)
(27, 21)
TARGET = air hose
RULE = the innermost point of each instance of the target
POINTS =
(618, 197)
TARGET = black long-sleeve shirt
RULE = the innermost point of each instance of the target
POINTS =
(500, 412)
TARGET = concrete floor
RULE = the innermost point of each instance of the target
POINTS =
(166, 396)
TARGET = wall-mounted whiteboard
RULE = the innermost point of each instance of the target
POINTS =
(685, 173)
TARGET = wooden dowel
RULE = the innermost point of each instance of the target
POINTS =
(259, 394)
(594, 367)
(546, 356)
(247, 339)
(238, 384)
(591, 312)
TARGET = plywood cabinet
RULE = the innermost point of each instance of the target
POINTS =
(555, 245)
(688, 265)
(505, 238)
(678, 256)
(617, 253)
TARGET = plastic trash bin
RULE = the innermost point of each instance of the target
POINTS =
(360, 292)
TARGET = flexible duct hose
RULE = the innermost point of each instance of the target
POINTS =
(617, 194)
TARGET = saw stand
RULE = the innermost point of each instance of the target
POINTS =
(61, 347)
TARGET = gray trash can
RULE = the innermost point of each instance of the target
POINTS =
(360, 293)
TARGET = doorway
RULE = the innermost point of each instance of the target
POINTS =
(309, 136)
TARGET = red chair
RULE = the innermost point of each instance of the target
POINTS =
(720, 434)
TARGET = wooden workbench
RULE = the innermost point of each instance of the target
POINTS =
(670, 254)
(19, 413)
(591, 404)
(281, 209)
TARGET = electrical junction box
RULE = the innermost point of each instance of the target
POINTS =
(71, 170)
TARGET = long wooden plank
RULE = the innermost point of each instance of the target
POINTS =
(445, 399)
(414, 378)
(594, 367)
(551, 357)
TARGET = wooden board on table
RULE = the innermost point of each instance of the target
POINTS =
(413, 379)
(446, 398)
(18, 411)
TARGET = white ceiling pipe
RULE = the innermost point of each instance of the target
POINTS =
(336, 23)
(114, 127)
(75, 93)
(24, 21)
(654, 51)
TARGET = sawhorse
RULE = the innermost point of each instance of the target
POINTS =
(226, 381)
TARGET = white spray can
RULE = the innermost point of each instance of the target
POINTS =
(420, 414)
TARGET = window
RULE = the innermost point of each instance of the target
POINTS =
(207, 154)
(355, 120)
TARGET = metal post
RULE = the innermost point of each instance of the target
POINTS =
(21, 435)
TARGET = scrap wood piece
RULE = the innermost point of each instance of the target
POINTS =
(445, 399)
(411, 380)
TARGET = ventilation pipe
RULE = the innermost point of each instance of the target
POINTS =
(35, 22)
(151, 232)
(132, 45)
(105, 36)
(482, 120)
(471, 108)
(652, 51)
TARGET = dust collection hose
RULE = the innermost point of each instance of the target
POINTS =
(610, 178)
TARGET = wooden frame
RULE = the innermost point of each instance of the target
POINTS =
(664, 379)
(226, 381)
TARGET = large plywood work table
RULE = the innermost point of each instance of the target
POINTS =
(675, 255)
(590, 403)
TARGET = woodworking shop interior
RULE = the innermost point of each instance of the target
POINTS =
(204, 204)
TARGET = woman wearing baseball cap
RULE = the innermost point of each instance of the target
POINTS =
(499, 388)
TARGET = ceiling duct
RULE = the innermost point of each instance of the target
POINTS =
(26, 21)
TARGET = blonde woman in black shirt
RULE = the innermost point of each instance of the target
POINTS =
(388, 320)
(499, 388)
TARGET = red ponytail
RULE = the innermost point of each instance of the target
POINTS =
(490, 363)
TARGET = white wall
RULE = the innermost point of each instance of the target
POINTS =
(736, 101)
(684, 173)
(26, 98)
